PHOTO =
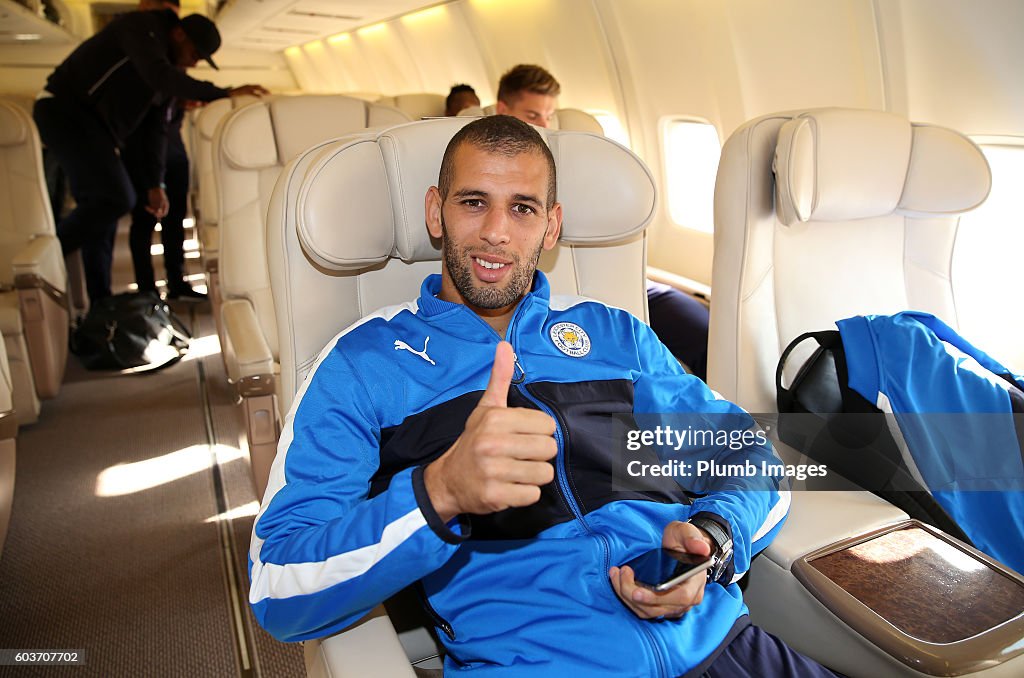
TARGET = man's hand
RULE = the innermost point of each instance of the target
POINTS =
(675, 602)
(501, 458)
(250, 90)
(156, 202)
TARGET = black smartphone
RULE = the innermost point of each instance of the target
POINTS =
(661, 569)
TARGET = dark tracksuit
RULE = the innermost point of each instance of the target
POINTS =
(172, 230)
(114, 84)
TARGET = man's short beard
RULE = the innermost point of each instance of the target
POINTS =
(460, 267)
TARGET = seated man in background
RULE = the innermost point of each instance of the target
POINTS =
(530, 93)
(440, 466)
(459, 98)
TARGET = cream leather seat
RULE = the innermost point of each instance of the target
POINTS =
(417, 106)
(821, 215)
(33, 300)
(859, 216)
(346, 235)
(565, 118)
(204, 202)
(251, 146)
(8, 432)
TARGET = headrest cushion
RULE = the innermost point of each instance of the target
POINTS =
(362, 201)
(210, 115)
(838, 165)
(948, 174)
(13, 125)
(247, 138)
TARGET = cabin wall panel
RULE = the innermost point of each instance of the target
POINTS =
(389, 58)
(447, 51)
(349, 57)
(956, 63)
(565, 37)
(728, 62)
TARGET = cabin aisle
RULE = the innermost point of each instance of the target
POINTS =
(124, 527)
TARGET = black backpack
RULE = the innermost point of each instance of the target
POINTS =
(822, 417)
(135, 331)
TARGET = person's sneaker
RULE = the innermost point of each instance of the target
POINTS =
(185, 293)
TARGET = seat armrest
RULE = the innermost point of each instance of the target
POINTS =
(40, 264)
(246, 351)
(818, 518)
(368, 649)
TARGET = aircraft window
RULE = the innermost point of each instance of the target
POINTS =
(692, 149)
(989, 239)
(612, 127)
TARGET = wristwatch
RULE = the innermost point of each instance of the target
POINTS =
(723, 546)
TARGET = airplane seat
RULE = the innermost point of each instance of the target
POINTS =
(471, 112)
(204, 204)
(251, 146)
(8, 433)
(577, 120)
(820, 215)
(33, 303)
(346, 236)
(572, 119)
(417, 106)
(825, 214)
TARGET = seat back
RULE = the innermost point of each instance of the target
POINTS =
(346, 230)
(825, 214)
(204, 126)
(576, 120)
(251, 146)
(8, 433)
(346, 235)
(417, 106)
(32, 263)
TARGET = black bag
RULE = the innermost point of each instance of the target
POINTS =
(822, 417)
(135, 331)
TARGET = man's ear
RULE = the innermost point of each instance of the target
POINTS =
(554, 226)
(432, 211)
(500, 108)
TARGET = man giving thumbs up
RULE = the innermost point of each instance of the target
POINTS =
(481, 467)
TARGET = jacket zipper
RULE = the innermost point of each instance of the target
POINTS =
(570, 497)
(439, 621)
(518, 379)
(106, 75)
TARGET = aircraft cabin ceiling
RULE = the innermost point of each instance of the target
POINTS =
(268, 25)
(277, 24)
(20, 25)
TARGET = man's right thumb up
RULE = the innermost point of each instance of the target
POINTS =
(496, 394)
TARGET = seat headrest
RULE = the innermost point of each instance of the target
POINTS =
(13, 125)
(362, 200)
(273, 131)
(838, 165)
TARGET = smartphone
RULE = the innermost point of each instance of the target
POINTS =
(662, 569)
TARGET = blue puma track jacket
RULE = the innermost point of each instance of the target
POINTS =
(346, 521)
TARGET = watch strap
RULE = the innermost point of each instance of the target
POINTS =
(721, 535)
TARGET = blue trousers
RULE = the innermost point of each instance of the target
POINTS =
(755, 653)
(681, 322)
(89, 156)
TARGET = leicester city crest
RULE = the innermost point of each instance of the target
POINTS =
(570, 339)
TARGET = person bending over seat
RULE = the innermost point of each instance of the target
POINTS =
(439, 465)
(118, 82)
(530, 93)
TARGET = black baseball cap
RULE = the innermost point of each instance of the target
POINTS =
(204, 35)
